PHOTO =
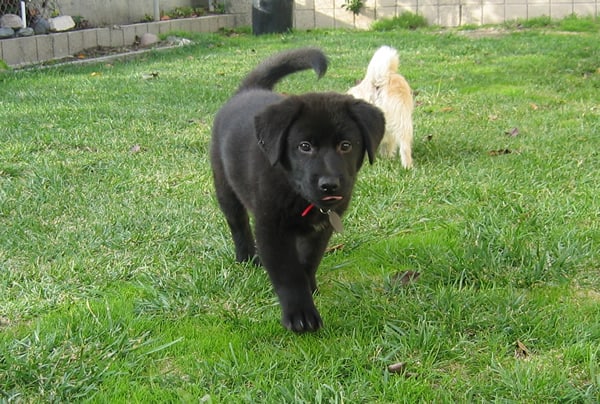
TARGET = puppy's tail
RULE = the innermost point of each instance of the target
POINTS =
(383, 63)
(269, 72)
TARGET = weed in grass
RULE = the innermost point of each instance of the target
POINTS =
(575, 23)
(406, 20)
(571, 23)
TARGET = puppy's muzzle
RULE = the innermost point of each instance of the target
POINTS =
(329, 185)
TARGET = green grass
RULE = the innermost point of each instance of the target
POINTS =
(571, 23)
(117, 277)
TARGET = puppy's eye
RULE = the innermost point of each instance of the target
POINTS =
(345, 146)
(305, 147)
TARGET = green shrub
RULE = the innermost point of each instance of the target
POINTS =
(406, 20)
(574, 23)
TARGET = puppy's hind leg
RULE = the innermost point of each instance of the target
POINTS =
(406, 152)
(239, 224)
(404, 137)
(388, 146)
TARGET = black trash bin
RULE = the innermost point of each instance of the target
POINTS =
(272, 16)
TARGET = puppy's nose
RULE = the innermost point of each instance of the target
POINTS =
(329, 184)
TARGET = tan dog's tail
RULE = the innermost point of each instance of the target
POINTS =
(268, 73)
(383, 64)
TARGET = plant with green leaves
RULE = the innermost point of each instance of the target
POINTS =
(353, 5)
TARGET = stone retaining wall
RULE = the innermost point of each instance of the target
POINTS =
(29, 50)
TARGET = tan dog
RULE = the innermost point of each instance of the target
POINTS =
(390, 92)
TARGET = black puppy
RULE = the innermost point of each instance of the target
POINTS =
(291, 161)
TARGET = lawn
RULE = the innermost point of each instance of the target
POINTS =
(117, 274)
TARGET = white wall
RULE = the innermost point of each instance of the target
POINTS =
(110, 12)
(310, 14)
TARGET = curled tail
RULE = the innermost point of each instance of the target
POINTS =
(383, 63)
(269, 72)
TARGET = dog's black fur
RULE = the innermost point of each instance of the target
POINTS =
(288, 160)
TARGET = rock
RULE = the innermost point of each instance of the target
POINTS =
(11, 21)
(26, 32)
(176, 41)
(41, 26)
(148, 39)
(61, 23)
(6, 33)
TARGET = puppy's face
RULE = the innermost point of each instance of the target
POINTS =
(323, 157)
(320, 140)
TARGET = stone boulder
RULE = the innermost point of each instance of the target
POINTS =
(25, 32)
(41, 26)
(11, 21)
(61, 23)
(6, 33)
(148, 39)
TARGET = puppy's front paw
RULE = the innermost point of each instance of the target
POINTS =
(302, 320)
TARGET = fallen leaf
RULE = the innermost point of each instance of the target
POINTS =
(399, 367)
(534, 106)
(447, 109)
(493, 117)
(521, 350)
(406, 277)
(513, 132)
(149, 76)
(337, 247)
(95, 74)
(499, 152)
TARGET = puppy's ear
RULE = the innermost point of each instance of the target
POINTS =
(371, 123)
(272, 126)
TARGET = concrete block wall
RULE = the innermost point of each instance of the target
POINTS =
(109, 12)
(310, 14)
(24, 51)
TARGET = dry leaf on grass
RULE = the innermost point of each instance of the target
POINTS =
(150, 76)
(400, 369)
(499, 152)
(521, 351)
(334, 248)
(513, 132)
(406, 277)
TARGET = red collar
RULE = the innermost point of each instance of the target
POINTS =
(308, 209)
